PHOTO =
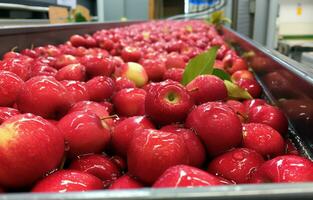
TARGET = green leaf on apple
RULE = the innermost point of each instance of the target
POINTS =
(221, 74)
(201, 64)
(236, 92)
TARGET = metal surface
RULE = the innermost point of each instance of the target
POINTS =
(25, 37)
(237, 192)
(284, 82)
(23, 7)
(22, 22)
(260, 21)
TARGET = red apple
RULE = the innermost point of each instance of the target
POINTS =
(30, 53)
(17, 66)
(40, 69)
(108, 106)
(77, 90)
(242, 74)
(228, 58)
(11, 54)
(78, 40)
(6, 113)
(100, 88)
(44, 96)
(50, 61)
(90, 41)
(195, 148)
(206, 88)
(269, 115)
(130, 102)
(122, 83)
(10, 86)
(125, 182)
(68, 181)
(64, 60)
(175, 74)
(97, 165)
(158, 151)
(250, 103)
(237, 64)
(131, 54)
(190, 52)
(167, 102)
(174, 60)
(239, 108)
(75, 72)
(30, 147)
(123, 132)
(251, 85)
(84, 133)
(97, 52)
(106, 43)
(68, 49)
(155, 69)
(97, 108)
(90, 106)
(284, 169)
(96, 66)
(236, 165)
(186, 176)
(263, 139)
(50, 50)
(219, 64)
(174, 46)
(216, 120)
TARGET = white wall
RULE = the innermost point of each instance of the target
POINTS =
(290, 23)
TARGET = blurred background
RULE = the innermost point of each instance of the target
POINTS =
(285, 25)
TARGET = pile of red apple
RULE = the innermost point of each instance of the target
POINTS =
(108, 111)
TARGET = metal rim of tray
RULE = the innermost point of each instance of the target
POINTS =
(253, 191)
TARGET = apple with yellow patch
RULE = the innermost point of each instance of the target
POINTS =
(30, 147)
(134, 72)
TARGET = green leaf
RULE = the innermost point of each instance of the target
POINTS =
(221, 74)
(201, 64)
(236, 92)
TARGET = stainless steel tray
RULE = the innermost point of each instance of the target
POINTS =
(286, 83)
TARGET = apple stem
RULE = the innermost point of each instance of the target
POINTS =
(14, 48)
(63, 162)
(245, 117)
(32, 46)
(109, 117)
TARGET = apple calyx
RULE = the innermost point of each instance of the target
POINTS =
(172, 97)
